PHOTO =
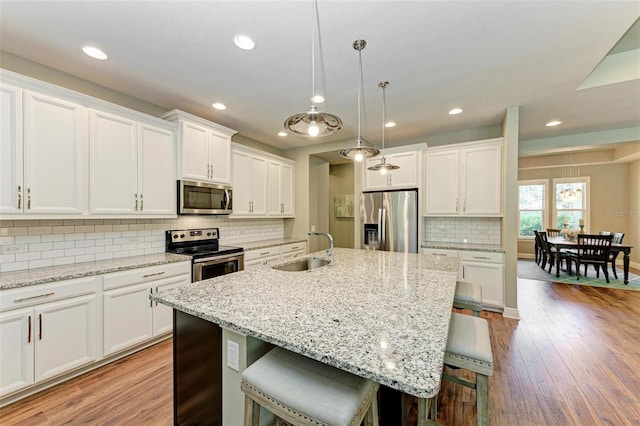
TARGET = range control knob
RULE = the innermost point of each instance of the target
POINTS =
(208, 234)
(175, 236)
(181, 235)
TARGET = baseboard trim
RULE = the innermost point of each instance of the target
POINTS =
(526, 256)
(511, 313)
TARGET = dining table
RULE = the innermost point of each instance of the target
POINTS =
(561, 243)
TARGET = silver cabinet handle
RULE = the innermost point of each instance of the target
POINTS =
(151, 301)
(51, 293)
(29, 330)
(457, 203)
(464, 205)
(28, 197)
(136, 205)
(19, 197)
(39, 326)
(265, 253)
(141, 203)
(152, 275)
(481, 257)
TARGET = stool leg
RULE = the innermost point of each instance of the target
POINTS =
(371, 418)
(251, 412)
(423, 411)
(482, 399)
(405, 408)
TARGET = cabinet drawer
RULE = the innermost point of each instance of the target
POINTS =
(440, 252)
(290, 248)
(250, 255)
(481, 256)
(43, 293)
(142, 275)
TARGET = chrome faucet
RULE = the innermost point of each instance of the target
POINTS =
(330, 238)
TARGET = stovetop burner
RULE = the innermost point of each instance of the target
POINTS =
(198, 243)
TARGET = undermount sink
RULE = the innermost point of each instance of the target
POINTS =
(302, 264)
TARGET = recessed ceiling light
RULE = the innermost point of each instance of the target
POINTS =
(94, 52)
(244, 42)
(282, 134)
(317, 99)
(219, 106)
(553, 123)
(390, 124)
(455, 111)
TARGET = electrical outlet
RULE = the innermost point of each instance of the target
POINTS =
(14, 248)
(233, 355)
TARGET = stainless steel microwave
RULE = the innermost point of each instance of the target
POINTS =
(204, 198)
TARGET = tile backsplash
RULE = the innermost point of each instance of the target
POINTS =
(27, 244)
(476, 230)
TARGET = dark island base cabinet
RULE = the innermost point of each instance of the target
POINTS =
(197, 371)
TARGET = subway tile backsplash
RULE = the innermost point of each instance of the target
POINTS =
(28, 244)
(475, 230)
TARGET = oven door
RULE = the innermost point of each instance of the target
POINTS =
(210, 267)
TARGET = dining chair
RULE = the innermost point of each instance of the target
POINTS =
(604, 233)
(591, 250)
(617, 239)
(549, 253)
(552, 232)
(537, 248)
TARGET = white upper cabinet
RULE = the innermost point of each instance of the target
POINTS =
(280, 189)
(132, 167)
(43, 155)
(204, 148)
(262, 184)
(407, 176)
(465, 179)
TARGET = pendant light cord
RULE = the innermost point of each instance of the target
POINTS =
(383, 85)
(360, 90)
(313, 51)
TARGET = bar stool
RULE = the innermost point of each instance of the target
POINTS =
(302, 391)
(468, 296)
(469, 348)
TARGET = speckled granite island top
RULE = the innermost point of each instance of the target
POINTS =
(380, 315)
(78, 270)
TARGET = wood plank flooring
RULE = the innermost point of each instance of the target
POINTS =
(572, 359)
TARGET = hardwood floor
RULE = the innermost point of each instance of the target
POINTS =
(572, 359)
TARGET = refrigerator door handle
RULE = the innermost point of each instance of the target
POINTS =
(382, 230)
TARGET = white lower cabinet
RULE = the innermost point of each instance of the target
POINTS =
(274, 254)
(130, 318)
(484, 268)
(55, 333)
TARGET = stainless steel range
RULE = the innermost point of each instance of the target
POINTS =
(210, 259)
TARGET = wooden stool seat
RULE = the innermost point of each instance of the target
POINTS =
(468, 296)
(302, 391)
(469, 347)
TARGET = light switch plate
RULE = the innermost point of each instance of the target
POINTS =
(233, 355)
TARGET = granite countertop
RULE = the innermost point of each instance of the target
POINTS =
(36, 276)
(381, 315)
(270, 243)
(462, 246)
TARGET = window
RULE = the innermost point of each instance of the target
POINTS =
(571, 205)
(532, 210)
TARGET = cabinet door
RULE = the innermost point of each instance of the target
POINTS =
(114, 166)
(11, 186)
(407, 175)
(127, 317)
(482, 184)
(441, 184)
(16, 350)
(373, 179)
(163, 314)
(490, 276)
(156, 176)
(195, 151)
(275, 189)
(65, 336)
(220, 155)
(259, 181)
(287, 190)
(241, 183)
(54, 152)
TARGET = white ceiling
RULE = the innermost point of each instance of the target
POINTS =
(483, 56)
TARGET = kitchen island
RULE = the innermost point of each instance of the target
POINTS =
(381, 315)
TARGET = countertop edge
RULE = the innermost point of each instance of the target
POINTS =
(257, 245)
(462, 246)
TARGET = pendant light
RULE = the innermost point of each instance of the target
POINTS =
(359, 151)
(383, 167)
(313, 123)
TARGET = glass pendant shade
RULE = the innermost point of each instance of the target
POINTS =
(313, 123)
(359, 152)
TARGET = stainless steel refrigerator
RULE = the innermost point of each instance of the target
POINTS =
(389, 220)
